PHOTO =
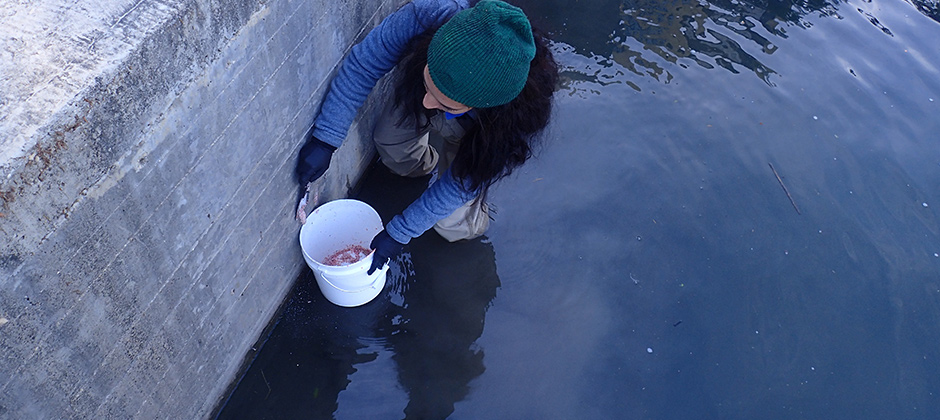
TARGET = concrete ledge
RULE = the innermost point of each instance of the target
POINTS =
(146, 192)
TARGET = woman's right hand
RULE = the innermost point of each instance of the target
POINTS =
(313, 161)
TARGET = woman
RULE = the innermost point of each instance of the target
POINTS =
(477, 75)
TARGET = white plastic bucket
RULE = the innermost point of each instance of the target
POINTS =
(331, 228)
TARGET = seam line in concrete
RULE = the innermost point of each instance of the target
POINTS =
(260, 89)
(296, 116)
(121, 19)
(286, 205)
(81, 197)
(80, 249)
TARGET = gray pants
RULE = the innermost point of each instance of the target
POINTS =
(412, 153)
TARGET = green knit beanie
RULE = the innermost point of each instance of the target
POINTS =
(481, 56)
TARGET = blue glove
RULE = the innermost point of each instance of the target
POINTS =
(314, 160)
(385, 248)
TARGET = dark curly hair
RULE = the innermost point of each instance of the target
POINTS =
(502, 137)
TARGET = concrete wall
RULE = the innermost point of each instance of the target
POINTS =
(146, 192)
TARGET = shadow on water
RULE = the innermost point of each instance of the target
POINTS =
(425, 322)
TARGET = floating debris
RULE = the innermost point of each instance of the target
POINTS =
(3, 321)
(649, 349)
(784, 188)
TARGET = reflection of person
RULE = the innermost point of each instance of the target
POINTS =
(432, 333)
(477, 75)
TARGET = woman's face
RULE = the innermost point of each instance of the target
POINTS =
(434, 99)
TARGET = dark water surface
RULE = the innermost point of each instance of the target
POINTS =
(649, 265)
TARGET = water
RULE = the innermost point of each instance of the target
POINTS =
(649, 264)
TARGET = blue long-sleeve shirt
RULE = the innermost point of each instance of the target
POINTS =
(367, 62)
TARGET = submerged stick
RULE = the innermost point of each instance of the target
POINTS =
(784, 188)
(266, 383)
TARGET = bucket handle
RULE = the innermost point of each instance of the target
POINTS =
(383, 270)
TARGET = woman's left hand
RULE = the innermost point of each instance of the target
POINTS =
(385, 248)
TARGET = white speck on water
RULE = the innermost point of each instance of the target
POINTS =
(649, 349)
(3, 321)
(815, 117)
(756, 332)
(820, 231)
(812, 368)
(924, 204)
(931, 99)
(936, 254)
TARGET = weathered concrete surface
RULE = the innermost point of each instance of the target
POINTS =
(147, 150)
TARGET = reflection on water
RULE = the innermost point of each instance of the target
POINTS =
(679, 30)
(930, 8)
(432, 335)
(643, 36)
(438, 299)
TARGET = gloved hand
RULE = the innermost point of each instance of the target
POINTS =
(314, 160)
(385, 248)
